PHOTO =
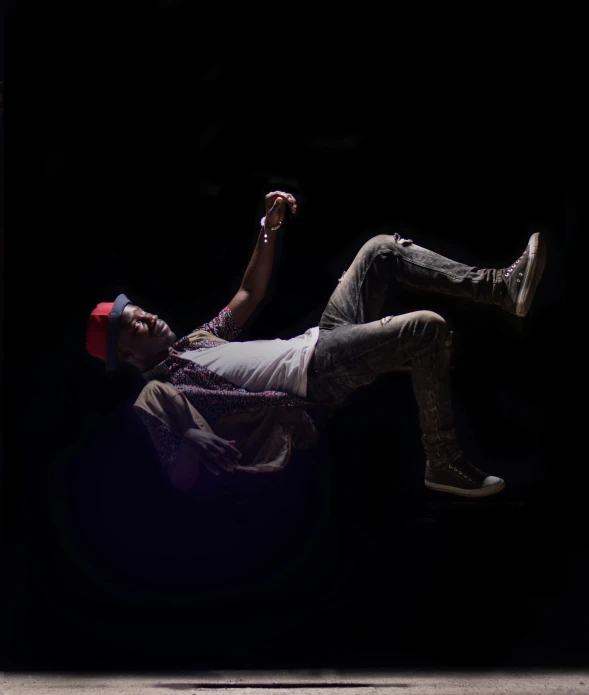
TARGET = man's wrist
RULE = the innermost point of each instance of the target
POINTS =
(267, 228)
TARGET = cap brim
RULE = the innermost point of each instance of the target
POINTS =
(114, 327)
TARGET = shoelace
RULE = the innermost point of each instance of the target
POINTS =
(456, 465)
(512, 267)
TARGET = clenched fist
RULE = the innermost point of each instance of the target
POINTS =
(275, 207)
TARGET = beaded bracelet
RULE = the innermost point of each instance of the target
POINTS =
(272, 229)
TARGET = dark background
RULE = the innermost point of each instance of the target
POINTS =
(140, 163)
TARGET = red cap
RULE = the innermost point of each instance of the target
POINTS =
(102, 330)
(97, 330)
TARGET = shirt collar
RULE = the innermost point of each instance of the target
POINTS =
(161, 368)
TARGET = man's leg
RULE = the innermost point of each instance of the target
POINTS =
(360, 294)
(352, 356)
(355, 345)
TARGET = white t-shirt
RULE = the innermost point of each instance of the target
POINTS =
(262, 365)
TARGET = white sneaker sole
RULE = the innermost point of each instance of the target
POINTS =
(534, 270)
(476, 492)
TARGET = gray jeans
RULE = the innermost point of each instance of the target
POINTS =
(356, 344)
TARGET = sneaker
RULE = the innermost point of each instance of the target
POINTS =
(522, 277)
(460, 477)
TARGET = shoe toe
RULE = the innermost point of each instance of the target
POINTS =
(492, 480)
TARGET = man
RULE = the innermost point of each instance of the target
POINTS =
(350, 347)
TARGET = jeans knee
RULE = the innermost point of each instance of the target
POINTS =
(434, 326)
(386, 243)
(378, 243)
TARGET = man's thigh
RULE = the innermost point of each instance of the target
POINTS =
(361, 290)
(351, 356)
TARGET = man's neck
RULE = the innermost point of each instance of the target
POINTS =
(153, 360)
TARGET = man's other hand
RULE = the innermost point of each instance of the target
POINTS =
(214, 452)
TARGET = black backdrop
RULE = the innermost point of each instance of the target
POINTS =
(141, 167)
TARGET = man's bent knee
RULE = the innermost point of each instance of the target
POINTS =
(433, 325)
(378, 242)
(385, 242)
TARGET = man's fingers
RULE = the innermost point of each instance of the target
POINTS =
(288, 197)
(223, 461)
(233, 450)
(216, 457)
(284, 194)
(210, 467)
(221, 455)
(217, 462)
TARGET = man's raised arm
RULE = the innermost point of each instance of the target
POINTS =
(255, 280)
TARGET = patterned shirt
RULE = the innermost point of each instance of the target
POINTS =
(211, 394)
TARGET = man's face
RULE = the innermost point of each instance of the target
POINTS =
(143, 334)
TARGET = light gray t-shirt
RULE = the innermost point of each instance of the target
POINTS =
(262, 365)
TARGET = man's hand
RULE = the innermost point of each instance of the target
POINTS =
(275, 209)
(214, 452)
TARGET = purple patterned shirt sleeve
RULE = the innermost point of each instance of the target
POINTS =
(223, 325)
(166, 443)
(182, 474)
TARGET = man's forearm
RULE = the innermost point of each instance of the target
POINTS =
(257, 276)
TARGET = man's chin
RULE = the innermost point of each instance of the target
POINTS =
(170, 337)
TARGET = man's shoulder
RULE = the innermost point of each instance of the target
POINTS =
(155, 391)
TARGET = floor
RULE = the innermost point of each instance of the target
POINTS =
(302, 683)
